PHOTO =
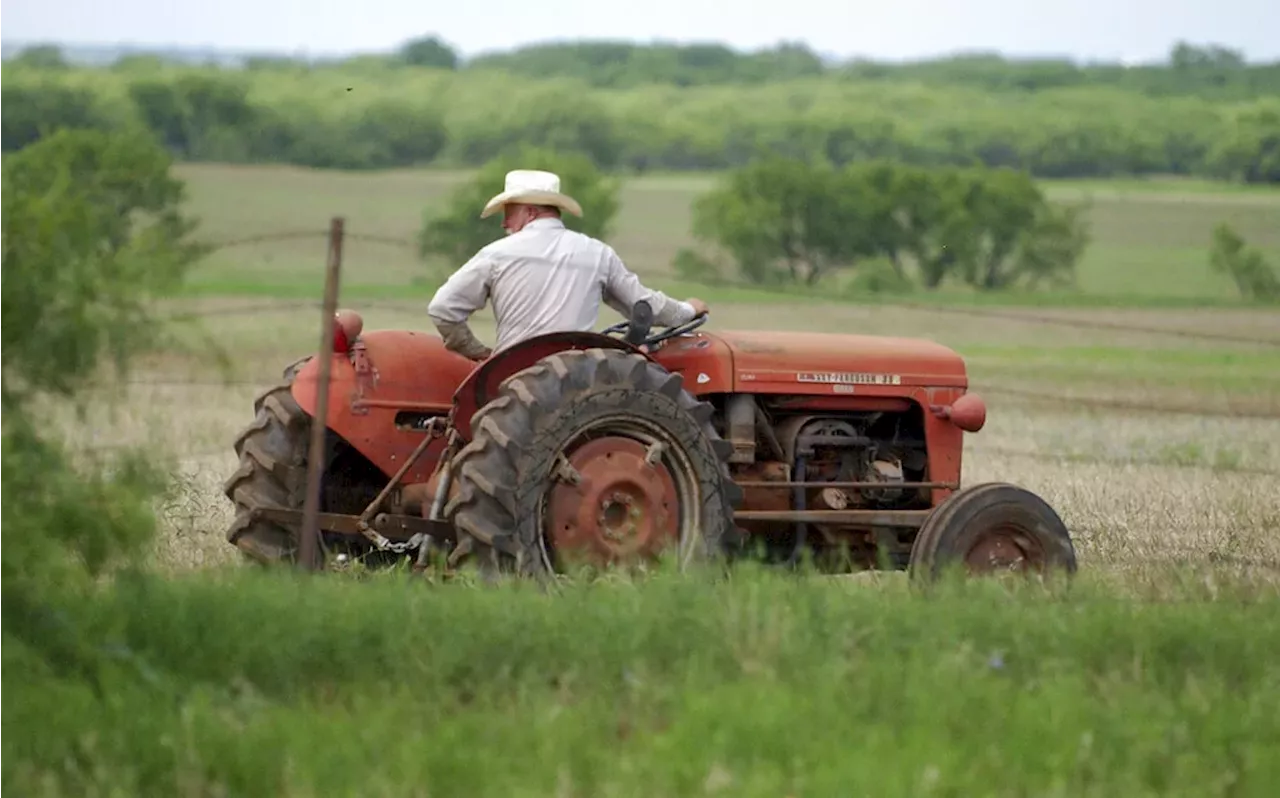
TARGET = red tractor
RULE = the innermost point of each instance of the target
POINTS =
(616, 446)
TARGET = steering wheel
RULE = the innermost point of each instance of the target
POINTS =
(636, 329)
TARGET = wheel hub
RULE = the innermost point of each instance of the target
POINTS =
(1004, 549)
(621, 503)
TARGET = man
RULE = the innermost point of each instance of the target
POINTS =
(542, 277)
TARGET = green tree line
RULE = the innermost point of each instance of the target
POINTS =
(424, 110)
(1209, 71)
(1188, 70)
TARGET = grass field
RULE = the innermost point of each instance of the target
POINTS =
(763, 686)
(1152, 430)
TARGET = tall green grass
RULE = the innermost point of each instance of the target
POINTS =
(758, 684)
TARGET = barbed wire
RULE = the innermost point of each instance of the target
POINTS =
(300, 235)
(278, 305)
(283, 305)
(979, 449)
(1088, 324)
(1127, 405)
(981, 313)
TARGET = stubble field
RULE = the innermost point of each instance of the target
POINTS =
(1153, 429)
(1154, 447)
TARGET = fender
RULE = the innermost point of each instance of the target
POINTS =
(411, 378)
(482, 384)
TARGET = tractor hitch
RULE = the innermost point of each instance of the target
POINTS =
(396, 528)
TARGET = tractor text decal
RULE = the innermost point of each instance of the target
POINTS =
(849, 379)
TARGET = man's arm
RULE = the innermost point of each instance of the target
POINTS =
(623, 290)
(465, 292)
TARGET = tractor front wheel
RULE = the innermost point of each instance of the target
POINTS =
(597, 456)
(991, 528)
(272, 473)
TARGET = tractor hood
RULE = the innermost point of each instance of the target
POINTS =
(830, 358)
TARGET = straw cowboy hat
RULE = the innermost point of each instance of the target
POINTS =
(532, 187)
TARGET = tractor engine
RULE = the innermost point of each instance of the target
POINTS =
(857, 458)
(826, 449)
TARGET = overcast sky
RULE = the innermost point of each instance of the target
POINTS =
(892, 29)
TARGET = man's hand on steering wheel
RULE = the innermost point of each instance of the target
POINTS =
(641, 314)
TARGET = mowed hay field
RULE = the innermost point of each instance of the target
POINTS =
(1154, 431)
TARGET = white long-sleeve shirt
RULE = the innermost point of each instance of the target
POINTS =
(547, 278)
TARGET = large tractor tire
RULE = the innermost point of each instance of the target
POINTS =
(988, 529)
(272, 473)
(596, 456)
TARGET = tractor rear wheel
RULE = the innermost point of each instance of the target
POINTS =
(272, 473)
(990, 528)
(597, 455)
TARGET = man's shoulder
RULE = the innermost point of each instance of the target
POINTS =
(589, 242)
(518, 244)
(496, 245)
(500, 249)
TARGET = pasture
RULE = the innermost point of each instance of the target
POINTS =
(1151, 237)
(1149, 424)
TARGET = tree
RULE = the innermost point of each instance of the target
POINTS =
(429, 51)
(1002, 205)
(195, 112)
(33, 109)
(458, 232)
(1011, 231)
(1053, 245)
(988, 227)
(42, 56)
(875, 189)
(92, 228)
(1250, 151)
(794, 221)
(1185, 56)
(784, 220)
(930, 211)
(1253, 276)
(553, 118)
(393, 133)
